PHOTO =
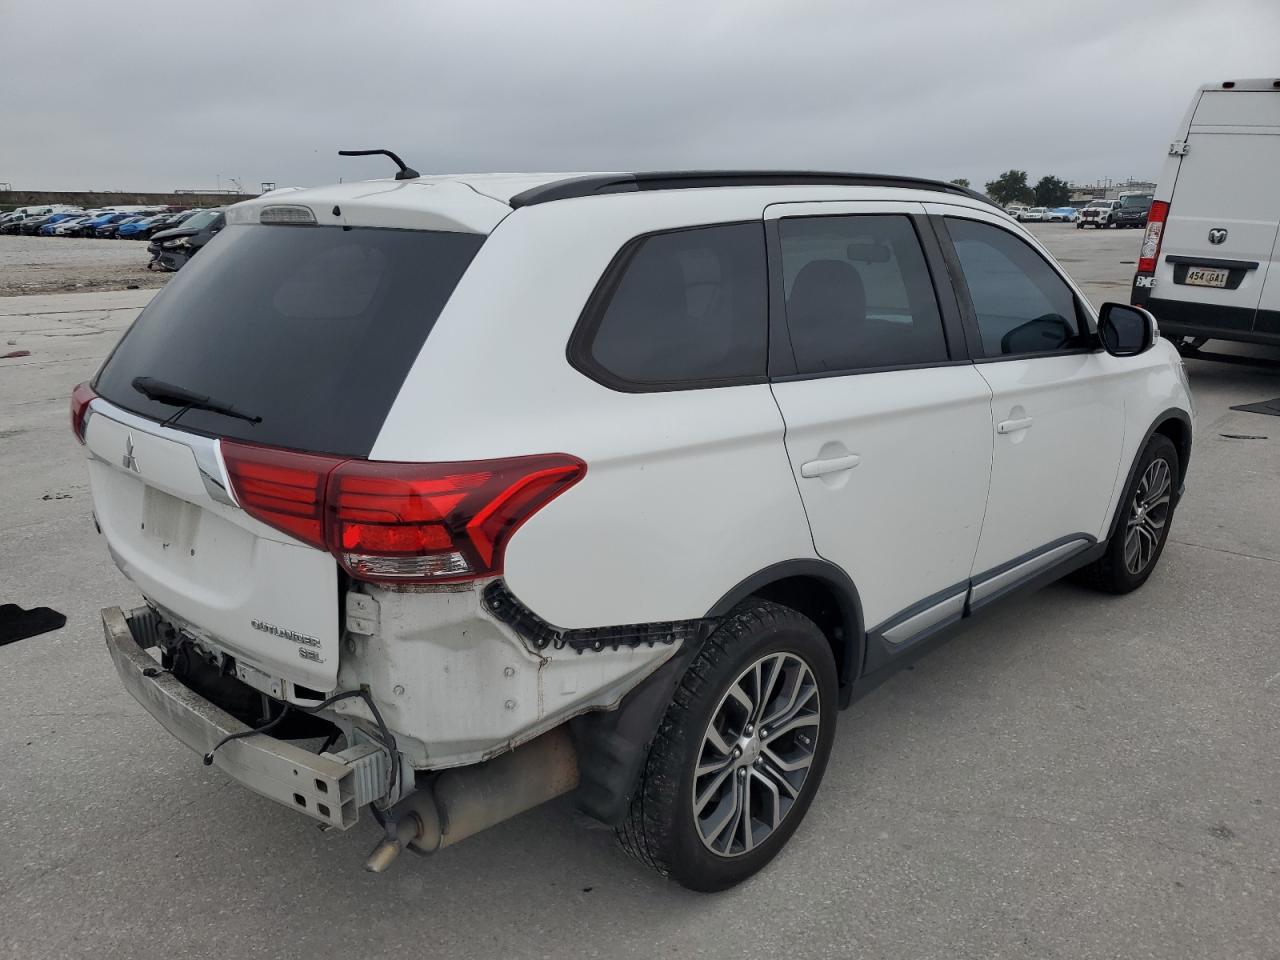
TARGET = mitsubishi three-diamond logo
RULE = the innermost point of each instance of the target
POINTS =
(129, 461)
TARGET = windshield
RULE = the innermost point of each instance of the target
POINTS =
(201, 220)
(1139, 202)
(313, 329)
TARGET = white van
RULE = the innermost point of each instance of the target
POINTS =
(1207, 264)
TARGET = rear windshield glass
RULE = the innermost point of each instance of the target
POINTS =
(313, 329)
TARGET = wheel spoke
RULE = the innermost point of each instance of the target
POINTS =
(712, 832)
(737, 694)
(717, 741)
(1131, 550)
(712, 766)
(766, 694)
(795, 723)
(776, 764)
(799, 699)
(775, 798)
(702, 799)
(748, 833)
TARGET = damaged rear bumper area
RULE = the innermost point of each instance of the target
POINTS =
(327, 787)
(427, 810)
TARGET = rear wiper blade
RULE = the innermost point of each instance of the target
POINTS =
(170, 393)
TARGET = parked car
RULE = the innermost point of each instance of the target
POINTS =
(170, 249)
(1032, 214)
(1014, 209)
(31, 225)
(178, 218)
(1062, 214)
(1133, 210)
(1098, 214)
(79, 226)
(143, 228)
(67, 228)
(103, 219)
(688, 514)
(38, 225)
(1206, 261)
(111, 230)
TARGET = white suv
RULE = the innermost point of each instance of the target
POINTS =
(505, 486)
(1099, 214)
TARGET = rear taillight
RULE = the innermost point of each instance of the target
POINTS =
(399, 522)
(80, 398)
(281, 488)
(1150, 251)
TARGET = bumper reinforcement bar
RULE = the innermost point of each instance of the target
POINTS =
(327, 787)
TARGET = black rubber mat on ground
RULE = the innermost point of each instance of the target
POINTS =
(18, 624)
(1269, 407)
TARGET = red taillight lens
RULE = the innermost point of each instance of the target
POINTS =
(80, 398)
(281, 488)
(399, 522)
(1150, 251)
(432, 522)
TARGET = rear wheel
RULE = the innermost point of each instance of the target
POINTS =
(740, 752)
(1147, 512)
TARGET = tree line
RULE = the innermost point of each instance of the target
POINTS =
(1012, 187)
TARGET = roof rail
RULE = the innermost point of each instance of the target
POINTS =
(604, 183)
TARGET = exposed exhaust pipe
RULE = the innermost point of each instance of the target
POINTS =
(466, 800)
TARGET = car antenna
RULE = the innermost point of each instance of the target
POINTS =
(406, 173)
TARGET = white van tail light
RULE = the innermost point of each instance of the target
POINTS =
(399, 522)
(1150, 251)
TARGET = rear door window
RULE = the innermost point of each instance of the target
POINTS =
(313, 329)
(680, 309)
(858, 294)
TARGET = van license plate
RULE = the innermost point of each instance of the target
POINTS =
(1206, 277)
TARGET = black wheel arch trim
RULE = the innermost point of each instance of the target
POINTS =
(852, 641)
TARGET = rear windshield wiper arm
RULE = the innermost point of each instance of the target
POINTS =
(170, 393)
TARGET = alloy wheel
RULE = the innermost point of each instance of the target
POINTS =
(1148, 514)
(755, 754)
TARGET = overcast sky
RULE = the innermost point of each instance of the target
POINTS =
(156, 96)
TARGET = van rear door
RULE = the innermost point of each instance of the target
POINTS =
(1225, 211)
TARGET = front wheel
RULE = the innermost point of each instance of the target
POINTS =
(1147, 512)
(740, 752)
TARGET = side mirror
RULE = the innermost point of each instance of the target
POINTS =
(1126, 331)
(1043, 334)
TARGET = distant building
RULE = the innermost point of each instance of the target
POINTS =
(1107, 189)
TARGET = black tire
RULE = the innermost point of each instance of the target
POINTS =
(661, 828)
(1114, 572)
